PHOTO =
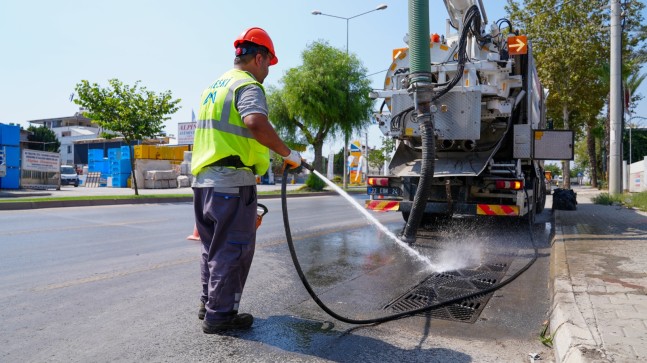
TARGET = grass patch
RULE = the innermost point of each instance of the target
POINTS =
(93, 197)
(639, 200)
(631, 200)
(607, 199)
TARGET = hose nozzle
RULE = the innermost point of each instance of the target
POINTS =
(307, 166)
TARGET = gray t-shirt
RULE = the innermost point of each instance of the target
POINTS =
(250, 99)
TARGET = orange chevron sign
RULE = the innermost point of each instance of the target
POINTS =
(497, 210)
(382, 205)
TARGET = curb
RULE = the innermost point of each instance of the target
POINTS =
(104, 202)
(572, 339)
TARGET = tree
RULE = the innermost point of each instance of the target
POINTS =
(553, 169)
(377, 157)
(633, 56)
(568, 40)
(133, 113)
(43, 138)
(324, 97)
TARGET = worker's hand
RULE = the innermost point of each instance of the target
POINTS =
(293, 160)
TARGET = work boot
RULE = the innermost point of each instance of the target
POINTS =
(239, 321)
(202, 311)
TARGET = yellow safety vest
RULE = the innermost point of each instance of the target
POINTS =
(221, 133)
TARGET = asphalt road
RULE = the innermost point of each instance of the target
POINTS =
(121, 283)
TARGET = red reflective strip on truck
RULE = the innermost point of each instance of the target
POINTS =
(497, 210)
(382, 205)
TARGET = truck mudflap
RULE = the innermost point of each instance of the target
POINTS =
(443, 208)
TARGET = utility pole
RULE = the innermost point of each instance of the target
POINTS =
(615, 102)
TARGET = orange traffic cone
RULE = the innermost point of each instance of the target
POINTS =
(195, 236)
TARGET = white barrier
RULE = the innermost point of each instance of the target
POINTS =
(636, 178)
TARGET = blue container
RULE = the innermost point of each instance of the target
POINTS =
(120, 180)
(11, 180)
(120, 166)
(105, 167)
(125, 152)
(99, 166)
(13, 156)
(95, 155)
(114, 154)
(92, 166)
(9, 135)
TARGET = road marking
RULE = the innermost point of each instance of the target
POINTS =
(112, 275)
(86, 226)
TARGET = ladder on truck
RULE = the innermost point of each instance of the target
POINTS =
(3, 162)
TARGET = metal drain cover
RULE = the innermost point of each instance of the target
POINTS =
(448, 285)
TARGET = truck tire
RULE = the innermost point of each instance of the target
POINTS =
(541, 190)
(532, 201)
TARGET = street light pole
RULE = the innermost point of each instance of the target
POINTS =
(346, 136)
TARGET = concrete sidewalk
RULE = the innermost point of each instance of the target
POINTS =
(599, 274)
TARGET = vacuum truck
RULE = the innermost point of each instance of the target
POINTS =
(485, 109)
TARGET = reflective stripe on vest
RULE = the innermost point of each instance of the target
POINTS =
(221, 132)
(223, 124)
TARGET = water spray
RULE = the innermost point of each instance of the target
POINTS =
(325, 308)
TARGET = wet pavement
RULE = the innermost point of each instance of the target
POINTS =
(598, 281)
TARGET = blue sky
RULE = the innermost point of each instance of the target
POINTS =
(181, 46)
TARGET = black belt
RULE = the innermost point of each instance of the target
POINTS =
(232, 161)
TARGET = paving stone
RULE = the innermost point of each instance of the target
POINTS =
(605, 249)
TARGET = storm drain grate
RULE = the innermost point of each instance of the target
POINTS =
(448, 285)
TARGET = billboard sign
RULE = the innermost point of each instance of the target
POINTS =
(40, 161)
(185, 132)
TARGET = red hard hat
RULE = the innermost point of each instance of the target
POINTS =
(258, 36)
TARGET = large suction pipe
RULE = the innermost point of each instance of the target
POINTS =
(421, 88)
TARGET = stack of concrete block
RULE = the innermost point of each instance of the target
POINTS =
(185, 178)
(160, 179)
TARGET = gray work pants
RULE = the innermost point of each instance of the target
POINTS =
(227, 227)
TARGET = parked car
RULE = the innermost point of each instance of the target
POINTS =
(69, 176)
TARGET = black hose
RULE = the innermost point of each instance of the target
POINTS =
(424, 183)
(472, 24)
(306, 284)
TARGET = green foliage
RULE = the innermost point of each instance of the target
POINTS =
(567, 39)
(631, 200)
(339, 163)
(315, 183)
(639, 200)
(576, 170)
(133, 113)
(377, 157)
(43, 138)
(545, 337)
(556, 170)
(326, 96)
(607, 199)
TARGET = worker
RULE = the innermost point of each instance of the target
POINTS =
(231, 144)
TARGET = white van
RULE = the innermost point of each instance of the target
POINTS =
(69, 175)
